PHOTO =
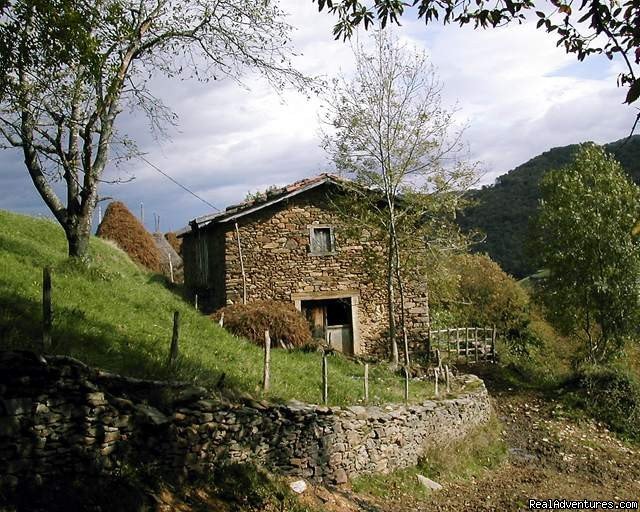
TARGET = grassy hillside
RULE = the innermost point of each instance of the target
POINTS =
(117, 316)
(503, 210)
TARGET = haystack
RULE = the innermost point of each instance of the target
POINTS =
(122, 227)
(171, 260)
(174, 241)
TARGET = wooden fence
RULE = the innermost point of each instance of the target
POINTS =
(464, 344)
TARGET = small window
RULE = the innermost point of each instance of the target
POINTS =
(322, 240)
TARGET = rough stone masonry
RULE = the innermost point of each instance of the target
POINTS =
(59, 416)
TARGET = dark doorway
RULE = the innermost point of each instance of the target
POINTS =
(331, 321)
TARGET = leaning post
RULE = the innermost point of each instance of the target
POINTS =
(466, 344)
(325, 378)
(446, 378)
(366, 382)
(475, 343)
(406, 384)
(170, 269)
(494, 334)
(47, 311)
(173, 351)
(266, 377)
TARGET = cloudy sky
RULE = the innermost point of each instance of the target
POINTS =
(518, 94)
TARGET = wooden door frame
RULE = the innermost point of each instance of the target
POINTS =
(354, 297)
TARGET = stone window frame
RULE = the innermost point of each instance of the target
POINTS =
(332, 237)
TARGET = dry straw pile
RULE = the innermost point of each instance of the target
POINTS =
(284, 322)
(122, 227)
(174, 242)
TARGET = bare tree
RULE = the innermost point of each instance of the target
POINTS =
(69, 67)
(391, 135)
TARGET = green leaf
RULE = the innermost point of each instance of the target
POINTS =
(634, 92)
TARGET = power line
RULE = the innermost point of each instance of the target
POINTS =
(178, 183)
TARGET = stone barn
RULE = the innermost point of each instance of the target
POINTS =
(292, 245)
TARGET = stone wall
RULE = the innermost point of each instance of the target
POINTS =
(59, 416)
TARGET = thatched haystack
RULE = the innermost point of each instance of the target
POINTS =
(122, 227)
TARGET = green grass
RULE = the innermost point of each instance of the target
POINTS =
(112, 314)
(481, 450)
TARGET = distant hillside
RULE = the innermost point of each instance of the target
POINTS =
(503, 210)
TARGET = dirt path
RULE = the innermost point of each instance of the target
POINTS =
(550, 456)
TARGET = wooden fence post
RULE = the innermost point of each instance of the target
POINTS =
(429, 344)
(448, 344)
(438, 360)
(406, 384)
(436, 371)
(266, 377)
(170, 268)
(366, 382)
(195, 302)
(47, 311)
(173, 351)
(457, 343)
(493, 344)
(466, 344)
(221, 321)
(446, 378)
(325, 379)
(475, 343)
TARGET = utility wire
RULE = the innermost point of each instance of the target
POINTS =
(178, 183)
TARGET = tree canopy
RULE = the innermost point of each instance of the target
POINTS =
(503, 211)
(69, 67)
(391, 134)
(588, 242)
(584, 28)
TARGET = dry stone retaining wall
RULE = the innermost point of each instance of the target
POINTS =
(59, 416)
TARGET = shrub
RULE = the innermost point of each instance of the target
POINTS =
(477, 292)
(122, 227)
(282, 319)
(612, 395)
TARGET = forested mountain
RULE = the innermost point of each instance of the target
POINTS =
(503, 211)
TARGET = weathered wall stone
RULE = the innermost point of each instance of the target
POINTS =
(59, 416)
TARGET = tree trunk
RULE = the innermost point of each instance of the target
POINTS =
(398, 274)
(78, 232)
(392, 307)
(78, 245)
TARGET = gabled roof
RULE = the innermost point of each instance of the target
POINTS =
(272, 196)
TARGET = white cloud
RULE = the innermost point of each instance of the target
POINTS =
(519, 94)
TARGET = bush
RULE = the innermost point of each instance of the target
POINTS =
(122, 227)
(477, 292)
(282, 319)
(612, 395)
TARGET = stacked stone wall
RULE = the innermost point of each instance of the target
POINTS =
(59, 416)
